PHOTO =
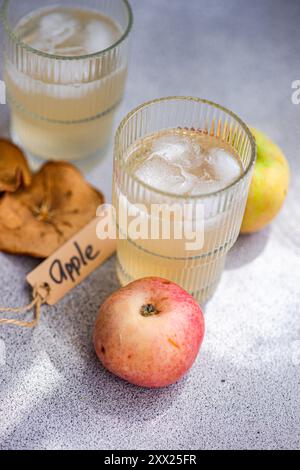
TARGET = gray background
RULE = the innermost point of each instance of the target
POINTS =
(243, 391)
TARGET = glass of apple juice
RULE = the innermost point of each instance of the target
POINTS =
(182, 168)
(65, 72)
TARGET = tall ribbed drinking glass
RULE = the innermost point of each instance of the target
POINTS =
(65, 72)
(220, 217)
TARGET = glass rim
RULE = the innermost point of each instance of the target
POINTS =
(195, 100)
(14, 37)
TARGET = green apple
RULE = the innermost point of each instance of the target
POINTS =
(269, 185)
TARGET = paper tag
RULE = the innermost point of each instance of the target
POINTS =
(72, 263)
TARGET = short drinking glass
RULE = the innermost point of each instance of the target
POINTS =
(65, 71)
(182, 169)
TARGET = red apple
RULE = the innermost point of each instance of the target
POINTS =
(149, 332)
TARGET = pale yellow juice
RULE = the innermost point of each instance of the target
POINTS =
(64, 108)
(185, 163)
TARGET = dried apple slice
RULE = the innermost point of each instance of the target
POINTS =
(14, 169)
(38, 220)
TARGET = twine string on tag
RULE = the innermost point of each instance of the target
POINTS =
(40, 295)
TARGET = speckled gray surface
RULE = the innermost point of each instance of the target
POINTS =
(243, 391)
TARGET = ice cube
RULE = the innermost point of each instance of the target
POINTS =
(217, 170)
(177, 149)
(99, 35)
(57, 28)
(226, 166)
(165, 176)
(183, 165)
(170, 148)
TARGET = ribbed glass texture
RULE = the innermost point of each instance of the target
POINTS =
(62, 107)
(197, 271)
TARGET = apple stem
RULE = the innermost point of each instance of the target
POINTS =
(148, 310)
